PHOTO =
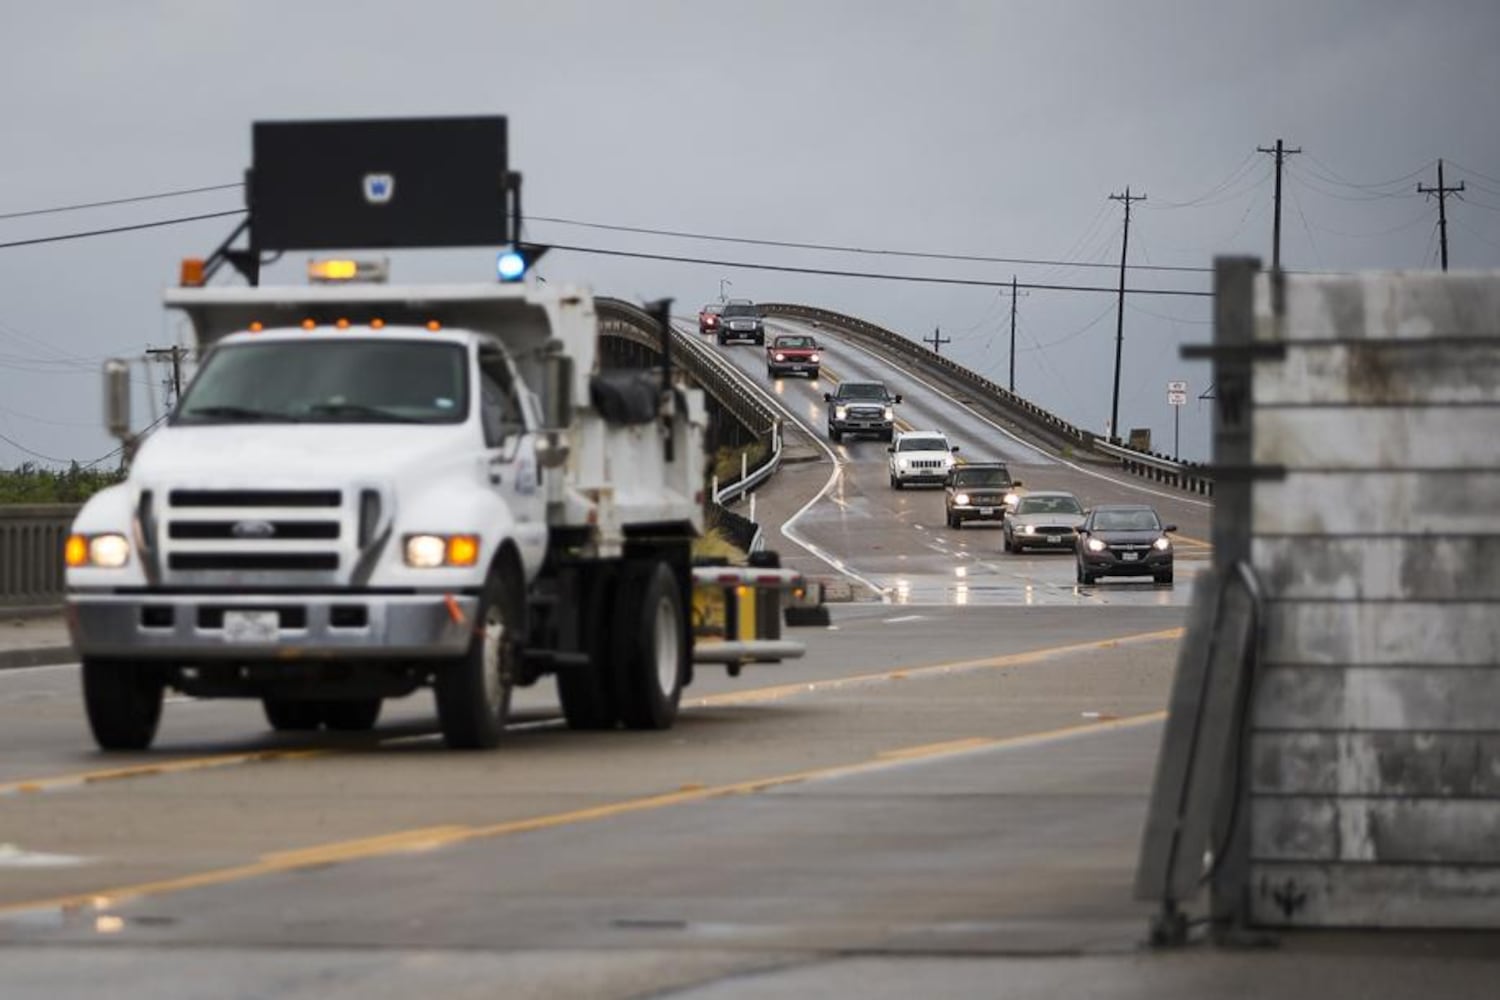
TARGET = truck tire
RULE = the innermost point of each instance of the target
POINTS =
(888, 435)
(473, 692)
(588, 693)
(351, 715)
(835, 435)
(289, 716)
(651, 643)
(123, 701)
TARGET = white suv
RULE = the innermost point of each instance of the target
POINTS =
(920, 457)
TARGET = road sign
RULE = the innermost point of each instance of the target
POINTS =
(1177, 392)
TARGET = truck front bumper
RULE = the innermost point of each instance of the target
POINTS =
(215, 626)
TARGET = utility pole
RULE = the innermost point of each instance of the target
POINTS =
(176, 353)
(1114, 409)
(1013, 295)
(937, 340)
(1442, 193)
(1281, 153)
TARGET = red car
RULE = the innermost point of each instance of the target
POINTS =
(708, 317)
(792, 353)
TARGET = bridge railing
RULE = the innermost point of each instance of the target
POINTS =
(1044, 424)
(31, 545)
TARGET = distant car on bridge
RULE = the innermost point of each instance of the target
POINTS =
(797, 354)
(861, 408)
(1124, 540)
(741, 320)
(709, 317)
(978, 491)
(920, 457)
(1046, 519)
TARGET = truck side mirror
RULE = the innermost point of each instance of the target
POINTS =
(117, 398)
(898, 397)
(1016, 482)
(827, 397)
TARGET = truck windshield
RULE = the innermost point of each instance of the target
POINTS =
(996, 478)
(330, 381)
(862, 390)
(734, 309)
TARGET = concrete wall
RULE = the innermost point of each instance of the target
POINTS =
(1375, 748)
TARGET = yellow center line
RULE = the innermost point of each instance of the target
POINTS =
(429, 838)
(177, 766)
(780, 691)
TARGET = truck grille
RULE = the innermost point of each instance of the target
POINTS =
(237, 531)
(866, 413)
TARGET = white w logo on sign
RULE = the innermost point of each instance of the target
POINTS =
(379, 188)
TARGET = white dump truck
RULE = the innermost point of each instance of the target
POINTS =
(370, 488)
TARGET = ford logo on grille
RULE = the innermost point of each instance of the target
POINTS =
(253, 529)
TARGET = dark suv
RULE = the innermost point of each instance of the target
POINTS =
(1124, 540)
(978, 491)
(861, 408)
(741, 320)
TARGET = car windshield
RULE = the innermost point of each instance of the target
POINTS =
(1048, 505)
(735, 309)
(794, 342)
(862, 390)
(1126, 520)
(922, 444)
(330, 381)
(713, 308)
(996, 478)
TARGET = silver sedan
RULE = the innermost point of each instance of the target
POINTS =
(1043, 520)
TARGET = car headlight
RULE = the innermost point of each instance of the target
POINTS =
(106, 551)
(903, 463)
(840, 412)
(1011, 499)
(813, 358)
(432, 551)
(1096, 546)
(1029, 529)
(1163, 543)
(890, 414)
(780, 356)
(961, 499)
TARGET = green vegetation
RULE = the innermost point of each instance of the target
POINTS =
(30, 483)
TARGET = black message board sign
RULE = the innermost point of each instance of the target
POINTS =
(405, 182)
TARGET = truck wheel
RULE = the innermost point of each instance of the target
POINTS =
(587, 693)
(888, 435)
(473, 692)
(123, 701)
(835, 435)
(286, 715)
(355, 715)
(651, 643)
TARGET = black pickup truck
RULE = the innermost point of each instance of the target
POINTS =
(861, 408)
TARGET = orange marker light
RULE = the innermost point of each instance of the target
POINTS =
(341, 323)
(308, 324)
(192, 275)
(377, 324)
(463, 550)
(257, 326)
(434, 325)
(76, 551)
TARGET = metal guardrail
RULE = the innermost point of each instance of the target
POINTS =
(31, 545)
(1043, 423)
(1189, 476)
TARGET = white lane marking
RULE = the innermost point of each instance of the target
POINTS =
(904, 618)
(12, 856)
(17, 671)
(1021, 441)
(787, 527)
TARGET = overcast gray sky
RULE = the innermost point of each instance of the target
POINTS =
(995, 129)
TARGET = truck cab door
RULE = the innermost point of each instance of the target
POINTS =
(510, 431)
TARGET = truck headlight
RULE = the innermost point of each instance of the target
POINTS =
(890, 414)
(840, 412)
(813, 358)
(432, 551)
(1163, 543)
(780, 356)
(961, 499)
(1011, 499)
(106, 551)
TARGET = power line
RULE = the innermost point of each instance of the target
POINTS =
(119, 201)
(120, 229)
(829, 272)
